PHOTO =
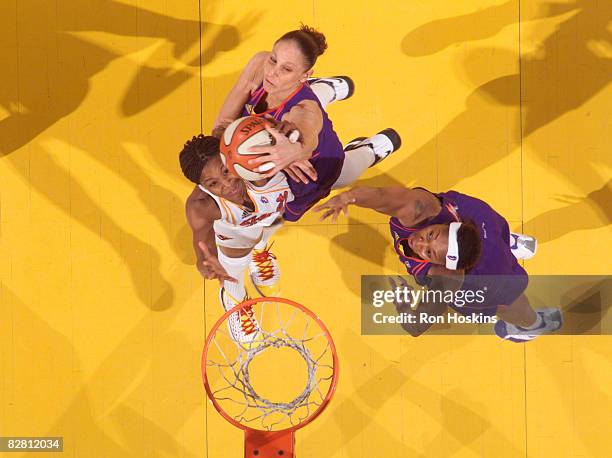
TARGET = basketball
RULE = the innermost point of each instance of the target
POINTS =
(239, 136)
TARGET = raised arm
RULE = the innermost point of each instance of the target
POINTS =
(201, 212)
(249, 79)
(409, 205)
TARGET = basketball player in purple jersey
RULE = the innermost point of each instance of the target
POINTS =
(277, 84)
(453, 238)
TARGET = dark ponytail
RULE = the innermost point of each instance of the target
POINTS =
(470, 245)
(311, 42)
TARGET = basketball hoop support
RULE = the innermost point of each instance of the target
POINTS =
(268, 444)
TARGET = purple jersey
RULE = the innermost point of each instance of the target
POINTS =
(496, 257)
(327, 158)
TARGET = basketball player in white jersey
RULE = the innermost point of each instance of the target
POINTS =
(229, 217)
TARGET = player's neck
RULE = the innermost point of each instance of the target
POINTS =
(277, 98)
(243, 199)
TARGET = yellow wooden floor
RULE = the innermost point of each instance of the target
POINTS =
(102, 315)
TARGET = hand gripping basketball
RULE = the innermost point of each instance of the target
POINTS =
(282, 152)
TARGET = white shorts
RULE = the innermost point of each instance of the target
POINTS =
(230, 236)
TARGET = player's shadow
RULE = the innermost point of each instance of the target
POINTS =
(49, 73)
(142, 259)
(457, 419)
(568, 68)
(479, 129)
(586, 311)
(560, 363)
(584, 300)
(49, 69)
(362, 241)
(581, 213)
(437, 35)
(119, 405)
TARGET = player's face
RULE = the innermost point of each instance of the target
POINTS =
(430, 243)
(284, 69)
(216, 178)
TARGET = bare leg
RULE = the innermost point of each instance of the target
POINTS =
(362, 153)
(324, 92)
(355, 163)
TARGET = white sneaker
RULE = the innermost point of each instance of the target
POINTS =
(383, 144)
(523, 246)
(265, 272)
(343, 86)
(243, 325)
(552, 320)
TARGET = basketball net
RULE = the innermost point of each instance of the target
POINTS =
(270, 401)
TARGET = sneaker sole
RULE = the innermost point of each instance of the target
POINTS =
(392, 135)
(500, 328)
(351, 86)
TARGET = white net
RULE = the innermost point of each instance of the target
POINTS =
(280, 377)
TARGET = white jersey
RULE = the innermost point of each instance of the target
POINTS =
(269, 201)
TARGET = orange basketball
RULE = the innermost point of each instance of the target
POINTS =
(239, 136)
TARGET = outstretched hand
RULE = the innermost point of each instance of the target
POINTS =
(211, 268)
(335, 205)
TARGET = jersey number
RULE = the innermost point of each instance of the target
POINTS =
(282, 201)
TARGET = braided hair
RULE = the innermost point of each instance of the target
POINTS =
(195, 154)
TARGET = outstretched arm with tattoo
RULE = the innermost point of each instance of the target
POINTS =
(410, 206)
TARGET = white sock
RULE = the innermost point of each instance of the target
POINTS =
(234, 267)
(536, 324)
(355, 163)
(324, 92)
(261, 244)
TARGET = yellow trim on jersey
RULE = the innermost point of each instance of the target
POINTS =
(222, 209)
(255, 204)
(228, 210)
